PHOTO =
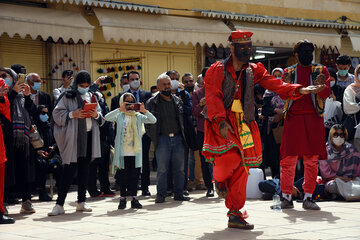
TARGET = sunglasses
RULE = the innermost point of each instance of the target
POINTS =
(342, 135)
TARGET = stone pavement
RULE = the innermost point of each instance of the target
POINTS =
(201, 218)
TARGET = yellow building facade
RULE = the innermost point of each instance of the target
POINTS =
(164, 34)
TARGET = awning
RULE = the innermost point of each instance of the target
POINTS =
(115, 5)
(287, 36)
(145, 27)
(355, 39)
(44, 22)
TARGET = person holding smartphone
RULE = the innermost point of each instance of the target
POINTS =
(77, 135)
(129, 117)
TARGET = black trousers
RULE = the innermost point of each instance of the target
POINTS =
(129, 177)
(145, 175)
(205, 166)
(99, 168)
(69, 172)
(24, 172)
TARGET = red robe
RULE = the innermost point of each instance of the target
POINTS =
(214, 144)
(304, 131)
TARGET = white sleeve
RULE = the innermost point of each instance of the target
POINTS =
(350, 105)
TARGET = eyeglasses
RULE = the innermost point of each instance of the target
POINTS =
(342, 135)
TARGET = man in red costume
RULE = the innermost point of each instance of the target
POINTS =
(5, 111)
(232, 139)
(304, 133)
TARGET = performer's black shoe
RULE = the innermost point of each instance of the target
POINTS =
(286, 204)
(221, 189)
(5, 219)
(236, 221)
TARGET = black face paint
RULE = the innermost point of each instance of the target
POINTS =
(166, 92)
(305, 55)
(242, 52)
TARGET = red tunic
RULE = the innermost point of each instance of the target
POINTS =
(304, 131)
(214, 143)
(4, 110)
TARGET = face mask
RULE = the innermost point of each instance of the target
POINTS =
(305, 58)
(196, 86)
(126, 87)
(242, 55)
(338, 141)
(332, 83)
(190, 89)
(8, 82)
(174, 84)
(82, 91)
(44, 117)
(166, 92)
(37, 86)
(343, 73)
(135, 84)
(278, 77)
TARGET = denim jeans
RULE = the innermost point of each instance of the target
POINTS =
(170, 150)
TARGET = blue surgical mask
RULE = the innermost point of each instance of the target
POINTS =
(8, 82)
(82, 91)
(343, 73)
(278, 77)
(44, 117)
(332, 83)
(37, 86)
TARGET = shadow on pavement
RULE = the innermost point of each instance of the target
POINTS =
(207, 200)
(67, 217)
(316, 216)
(231, 233)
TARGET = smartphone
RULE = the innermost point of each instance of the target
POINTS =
(108, 79)
(134, 106)
(21, 77)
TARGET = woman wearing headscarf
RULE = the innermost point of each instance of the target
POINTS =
(352, 109)
(19, 151)
(272, 110)
(77, 135)
(128, 145)
(343, 159)
(333, 112)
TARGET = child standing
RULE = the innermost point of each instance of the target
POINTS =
(128, 145)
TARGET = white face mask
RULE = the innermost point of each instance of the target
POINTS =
(126, 87)
(174, 84)
(135, 84)
(338, 141)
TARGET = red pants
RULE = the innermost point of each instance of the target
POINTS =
(287, 173)
(227, 170)
(2, 183)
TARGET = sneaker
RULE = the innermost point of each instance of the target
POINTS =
(286, 204)
(27, 207)
(186, 193)
(108, 193)
(159, 199)
(221, 190)
(210, 193)
(122, 203)
(239, 222)
(310, 204)
(135, 204)
(181, 198)
(57, 210)
(83, 207)
(5, 219)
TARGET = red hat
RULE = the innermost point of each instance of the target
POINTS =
(240, 36)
